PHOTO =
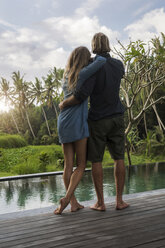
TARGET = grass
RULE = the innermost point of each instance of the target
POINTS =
(6, 174)
(30, 159)
(11, 141)
(135, 159)
(35, 159)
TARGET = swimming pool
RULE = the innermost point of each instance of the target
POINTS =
(31, 193)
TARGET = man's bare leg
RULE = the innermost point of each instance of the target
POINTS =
(119, 173)
(97, 175)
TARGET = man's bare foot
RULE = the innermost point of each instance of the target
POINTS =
(98, 207)
(122, 205)
(63, 204)
(76, 207)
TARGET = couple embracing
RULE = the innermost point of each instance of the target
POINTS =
(85, 133)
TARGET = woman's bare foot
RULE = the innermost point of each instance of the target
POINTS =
(63, 204)
(122, 205)
(76, 207)
(98, 207)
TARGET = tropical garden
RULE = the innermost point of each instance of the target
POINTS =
(28, 131)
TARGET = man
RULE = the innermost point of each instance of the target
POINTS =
(105, 120)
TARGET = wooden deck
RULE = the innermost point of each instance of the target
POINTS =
(142, 225)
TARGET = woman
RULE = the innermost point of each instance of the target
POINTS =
(72, 124)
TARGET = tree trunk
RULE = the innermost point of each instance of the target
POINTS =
(31, 129)
(128, 154)
(15, 122)
(55, 110)
(46, 121)
(160, 123)
(145, 123)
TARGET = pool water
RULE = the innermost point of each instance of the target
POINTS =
(31, 193)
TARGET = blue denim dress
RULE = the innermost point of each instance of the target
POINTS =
(72, 121)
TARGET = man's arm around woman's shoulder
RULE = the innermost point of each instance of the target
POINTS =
(84, 74)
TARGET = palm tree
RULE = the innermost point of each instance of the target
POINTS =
(6, 93)
(52, 87)
(22, 96)
(37, 92)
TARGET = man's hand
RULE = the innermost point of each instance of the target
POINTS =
(61, 105)
(68, 102)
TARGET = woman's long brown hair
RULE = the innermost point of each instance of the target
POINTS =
(79, 58)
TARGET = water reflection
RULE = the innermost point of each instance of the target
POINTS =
(40, 192)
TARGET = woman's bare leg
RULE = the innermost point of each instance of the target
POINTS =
(69, 153)
(69, 156)
(80, 150)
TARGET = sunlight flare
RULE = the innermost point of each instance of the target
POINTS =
(4, 106)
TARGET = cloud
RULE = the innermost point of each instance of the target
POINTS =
(143, 9)
(55, 4)
(77, 31)
(147, 27)
(7, 24)
(35, 50)
(88, 7)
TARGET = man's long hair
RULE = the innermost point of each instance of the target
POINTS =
(79, 58)
(100, 43)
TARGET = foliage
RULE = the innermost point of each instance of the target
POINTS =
(144, 77)
(154, 143)
(25, 168)
(27, 160)
(46, 140)
(35, 104)
(11, 141)
(31, 159)
(43, 160)
(133, 139)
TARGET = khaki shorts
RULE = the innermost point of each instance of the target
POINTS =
(107, 131)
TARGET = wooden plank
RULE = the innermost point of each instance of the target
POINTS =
(136, 202)
(24, 221)
(84, 211)
(88, 228)
(48, 227)
(70, 233)
(97, 240)
(154, 244)
(95, 218)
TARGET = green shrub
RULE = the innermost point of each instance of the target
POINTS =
(46, 140)
(55, 139)
(28, 137)
(2, 161)
(25, 168)
(58, 154)
(12, 141)
(44, 160)
(60, 163)
(36, 141)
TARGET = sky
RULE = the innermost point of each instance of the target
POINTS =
(36, 35)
